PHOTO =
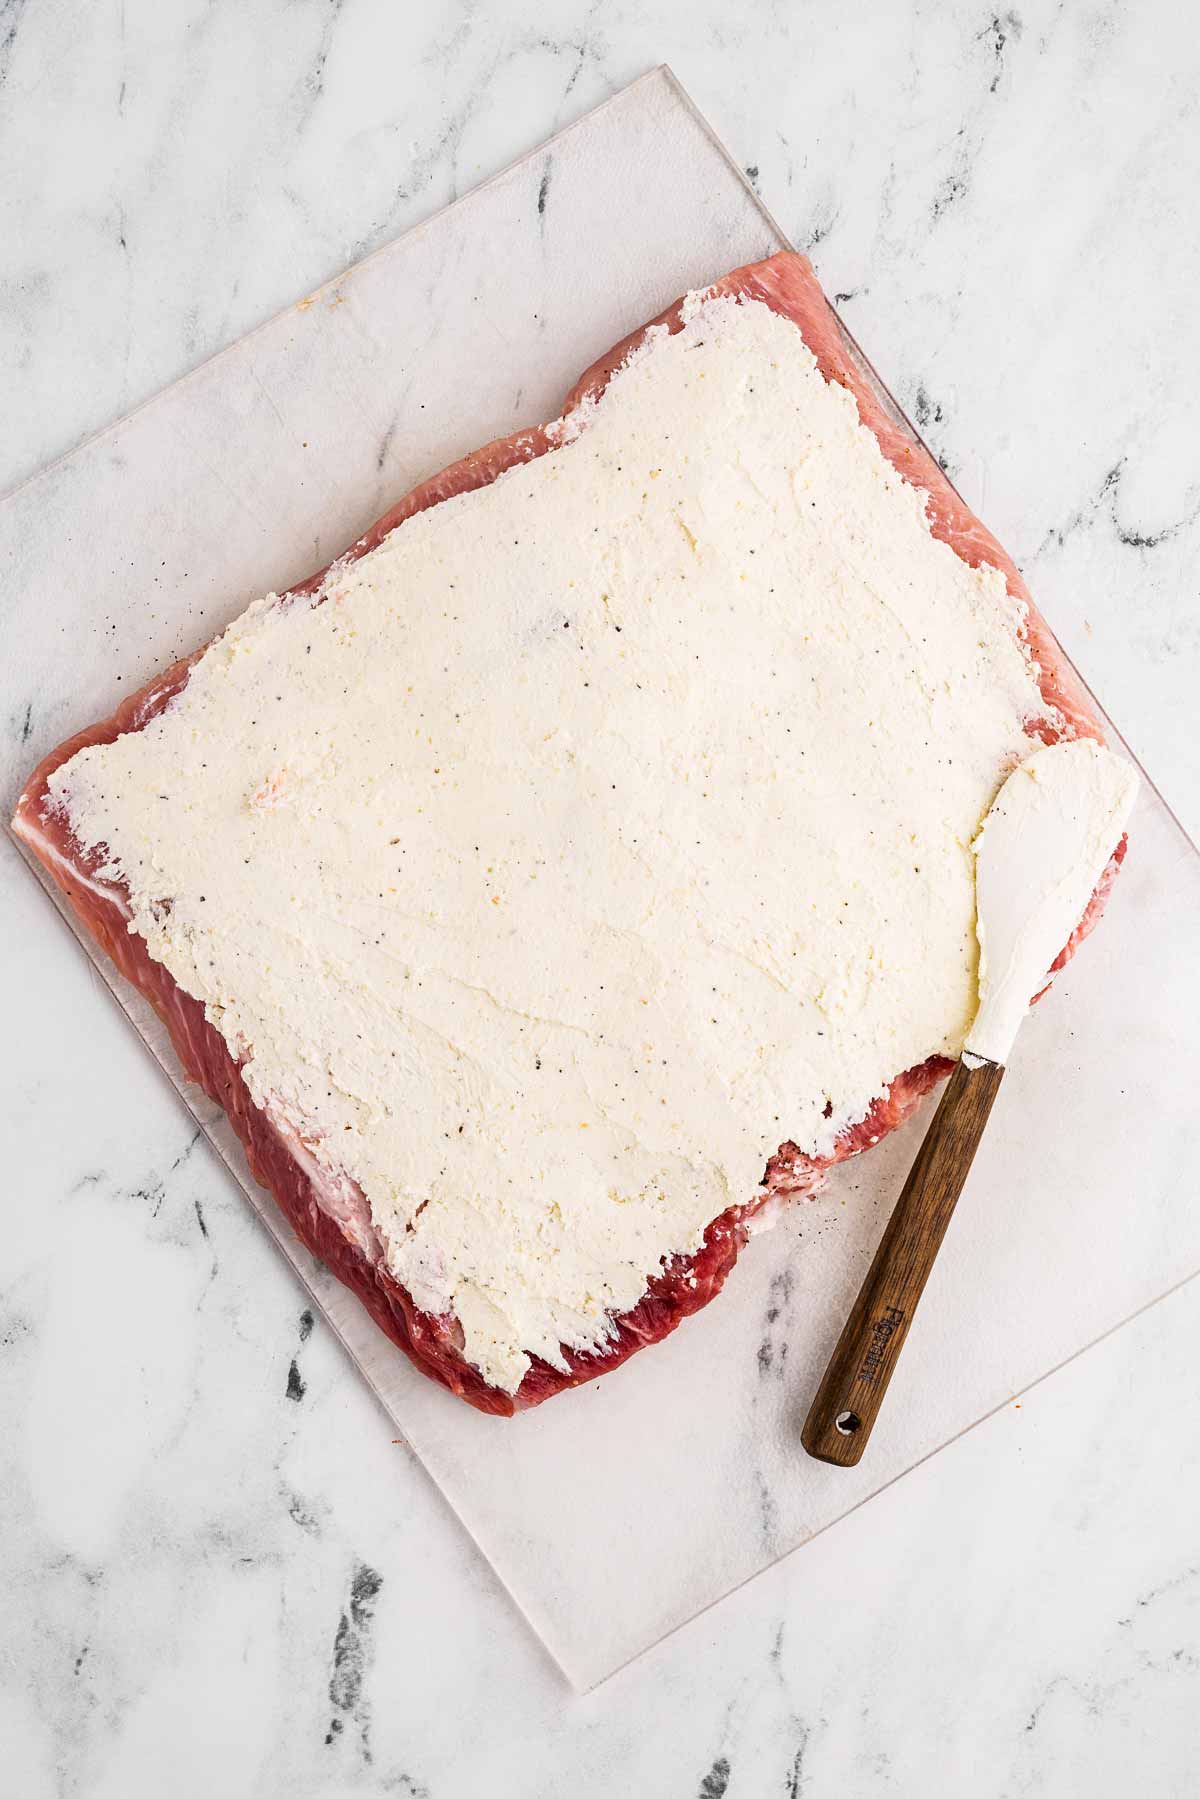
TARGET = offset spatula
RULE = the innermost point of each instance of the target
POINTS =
(1038, 857)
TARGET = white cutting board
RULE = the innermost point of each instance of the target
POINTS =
(616, 1512)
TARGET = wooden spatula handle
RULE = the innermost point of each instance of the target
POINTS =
(841, 1416)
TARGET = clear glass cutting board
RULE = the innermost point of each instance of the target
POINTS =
(617, 1512)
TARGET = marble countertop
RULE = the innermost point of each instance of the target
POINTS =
(218, 1577)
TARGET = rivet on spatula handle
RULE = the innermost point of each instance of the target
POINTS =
(842, 1415)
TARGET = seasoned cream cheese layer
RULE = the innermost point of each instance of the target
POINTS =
(599, 832)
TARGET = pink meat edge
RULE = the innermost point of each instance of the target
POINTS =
(329, 1214)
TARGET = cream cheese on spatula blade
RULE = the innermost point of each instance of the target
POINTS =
(1038, 856)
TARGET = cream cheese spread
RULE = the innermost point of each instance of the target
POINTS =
(596, 834)
(1043, 846)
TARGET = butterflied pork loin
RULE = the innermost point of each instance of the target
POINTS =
(581, 863)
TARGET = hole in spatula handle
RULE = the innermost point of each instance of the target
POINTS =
(847, 1423)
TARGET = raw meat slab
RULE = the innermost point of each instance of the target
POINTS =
(313, 1200)
(219, 480)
